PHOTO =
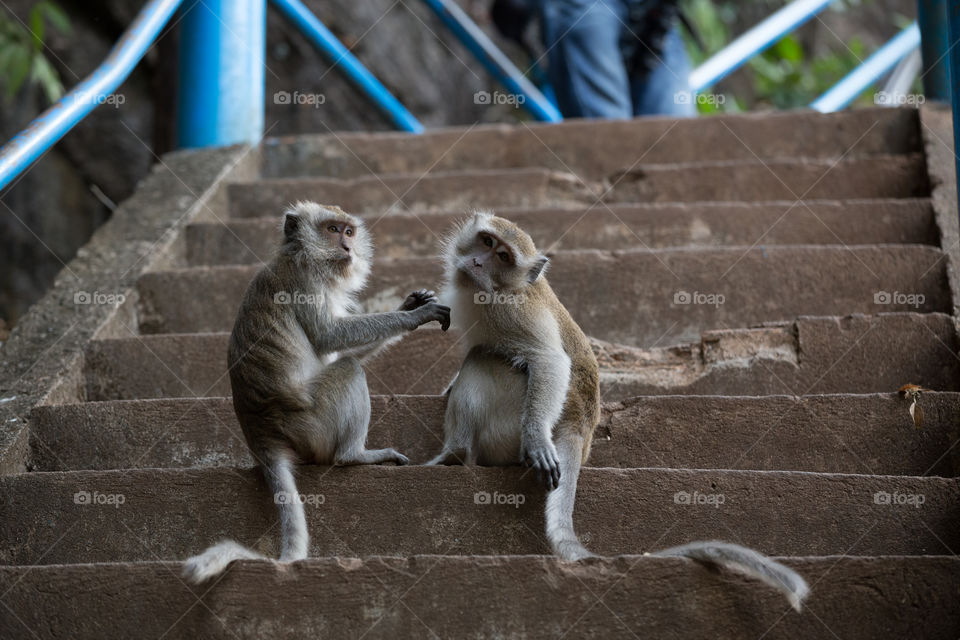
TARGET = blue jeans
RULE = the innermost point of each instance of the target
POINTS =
(587, 68)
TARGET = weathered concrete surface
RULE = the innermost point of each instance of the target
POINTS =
(637, 297)
(746, 180)
(168, 514)
(596, 149)
(859, 354)
(611, 227)
(484, 597)
(825, 433)
(870, 177)
(44, 349)
(442, 191)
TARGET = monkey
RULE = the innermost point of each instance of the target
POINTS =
(528, 390)
(295, 362)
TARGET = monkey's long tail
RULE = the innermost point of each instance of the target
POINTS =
(748, 561)
(278, 471)
(214, 560)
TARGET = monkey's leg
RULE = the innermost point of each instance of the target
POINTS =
(278, 471)
(560, 501)
(352, 415)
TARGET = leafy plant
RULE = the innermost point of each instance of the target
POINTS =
(21, 49)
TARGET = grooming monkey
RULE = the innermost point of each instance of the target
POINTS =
(528, 391)
(295, 357)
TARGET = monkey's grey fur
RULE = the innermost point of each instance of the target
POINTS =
(528, 390)
(294, 358)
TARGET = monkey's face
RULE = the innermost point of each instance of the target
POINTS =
(335, 241)
(493, 254)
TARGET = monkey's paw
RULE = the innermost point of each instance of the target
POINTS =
(395, 456)
(542, 458)
(417, 299)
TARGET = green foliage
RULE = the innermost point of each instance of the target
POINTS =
(21, 49)
(785, 75)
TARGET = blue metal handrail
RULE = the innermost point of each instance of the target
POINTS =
(494, 60)
(883, 59)
(55, 122)
(754, 41)
(339, 56)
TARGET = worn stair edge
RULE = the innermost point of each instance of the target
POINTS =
(746, 180)
(852, 354)
(168, 514)
(830, 433)
(644, 298)
(614, 227)
(43, 354)
(595, 149)
(493, 597)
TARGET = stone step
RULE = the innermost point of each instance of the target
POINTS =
(638, 297)
(613, 227)
(829, 433)
(168, 514)
(856, 598)
(857, 354)
(902, 176)
(596, 149)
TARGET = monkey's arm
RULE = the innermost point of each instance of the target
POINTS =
(351, 332)
(548, 377)
(413, 301)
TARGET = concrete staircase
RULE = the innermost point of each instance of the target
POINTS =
(731, 272)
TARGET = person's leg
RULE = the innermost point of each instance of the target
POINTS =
(665, 90)
(586, 64)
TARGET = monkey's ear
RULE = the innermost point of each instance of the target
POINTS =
(538, 267)
(291, 222)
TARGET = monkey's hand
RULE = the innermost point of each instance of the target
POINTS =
(417, 299)
(542, 458)
(432, 311)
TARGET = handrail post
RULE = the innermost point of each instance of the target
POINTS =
(934, 42)
(221, 73)
(953, 54)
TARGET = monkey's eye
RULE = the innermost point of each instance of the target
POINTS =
(349, 231)
(504, 256)
(333, 229)
(487, 240)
